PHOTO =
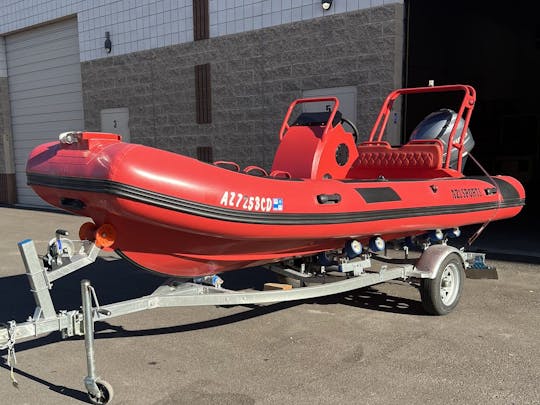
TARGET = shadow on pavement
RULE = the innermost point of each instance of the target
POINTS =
(376, 300)
(81, 396)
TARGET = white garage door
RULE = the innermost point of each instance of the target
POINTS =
(44, 77)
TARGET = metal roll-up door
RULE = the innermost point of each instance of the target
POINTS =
(44, 78)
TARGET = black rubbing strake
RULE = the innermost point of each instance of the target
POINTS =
(269, 218)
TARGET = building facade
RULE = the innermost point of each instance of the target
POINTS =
(206, 78)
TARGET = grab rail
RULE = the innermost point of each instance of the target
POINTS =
(285, 125)
(467, 105)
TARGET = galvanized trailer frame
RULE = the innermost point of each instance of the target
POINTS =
(179, 293)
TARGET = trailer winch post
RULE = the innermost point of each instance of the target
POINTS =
(39, 283)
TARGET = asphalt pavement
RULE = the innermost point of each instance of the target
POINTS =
(369, 346)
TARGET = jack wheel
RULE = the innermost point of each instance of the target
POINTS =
(441, 294)
(106, 391)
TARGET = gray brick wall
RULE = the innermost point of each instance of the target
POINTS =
(255, 75)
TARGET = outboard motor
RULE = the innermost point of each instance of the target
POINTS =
(438, 125)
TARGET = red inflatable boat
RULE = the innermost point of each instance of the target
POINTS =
(178, 216)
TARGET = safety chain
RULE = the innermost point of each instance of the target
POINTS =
(11, 328)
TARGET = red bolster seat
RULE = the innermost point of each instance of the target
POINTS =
(414, 159)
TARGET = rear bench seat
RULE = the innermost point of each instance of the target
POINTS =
(416, 159)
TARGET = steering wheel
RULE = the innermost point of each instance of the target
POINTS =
(354, 129)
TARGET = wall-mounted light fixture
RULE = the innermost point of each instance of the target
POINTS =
(326, 4)
(108, 44)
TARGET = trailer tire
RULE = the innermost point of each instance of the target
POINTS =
(106, 391)
(441, 294)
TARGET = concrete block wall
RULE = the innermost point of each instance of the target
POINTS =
(263, 54)
(255, 75)
(136, 25)
(235, 16)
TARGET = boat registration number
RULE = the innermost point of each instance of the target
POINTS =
(251, 203)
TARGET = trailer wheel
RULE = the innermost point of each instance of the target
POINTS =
(106, 391)
(441, 294)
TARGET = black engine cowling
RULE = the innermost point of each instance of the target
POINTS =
(438, 125)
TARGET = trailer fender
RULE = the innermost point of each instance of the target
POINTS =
(431, 259)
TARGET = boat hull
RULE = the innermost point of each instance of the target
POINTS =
(178, 216)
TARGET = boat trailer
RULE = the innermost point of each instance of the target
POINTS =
(439, 272)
